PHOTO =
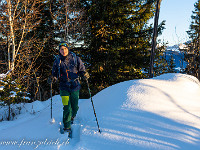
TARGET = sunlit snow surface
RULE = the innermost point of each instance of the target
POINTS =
(160, 113)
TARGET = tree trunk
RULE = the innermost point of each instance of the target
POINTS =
(8, 47)
(11, 32)
(155, 34)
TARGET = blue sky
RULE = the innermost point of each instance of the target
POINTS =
(177, 14)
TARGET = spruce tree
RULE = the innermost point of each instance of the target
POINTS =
(160, 62)
(60, 21)
(192, 55)
(119, 39)
(172, 65)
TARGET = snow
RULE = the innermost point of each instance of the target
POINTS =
(2, 76)
(13, 94)
(160, 113)
(1, 88)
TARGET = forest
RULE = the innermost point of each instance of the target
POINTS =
(112, 37)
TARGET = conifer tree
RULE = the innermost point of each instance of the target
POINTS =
(119, 38)
(192, 55)
(59, 21)
(171, 66)
(160, 62)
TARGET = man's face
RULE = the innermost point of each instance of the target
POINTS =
(64, 50)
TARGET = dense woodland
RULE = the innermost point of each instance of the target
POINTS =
(192, 55)
(112, 37)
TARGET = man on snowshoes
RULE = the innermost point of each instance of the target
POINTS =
(68, 68)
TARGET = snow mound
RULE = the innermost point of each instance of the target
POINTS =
(160, 113)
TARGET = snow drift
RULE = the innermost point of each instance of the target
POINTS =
(160, 113)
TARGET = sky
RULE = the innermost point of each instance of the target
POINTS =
(177, 14)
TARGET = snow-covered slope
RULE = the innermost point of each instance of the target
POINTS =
(160, 113)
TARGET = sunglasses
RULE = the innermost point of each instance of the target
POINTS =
(63, 44)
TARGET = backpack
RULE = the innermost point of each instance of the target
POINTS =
(58, 61)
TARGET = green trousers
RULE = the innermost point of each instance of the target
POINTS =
(70, 106)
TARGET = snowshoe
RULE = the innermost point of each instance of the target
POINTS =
(69, 132)
(61, 129)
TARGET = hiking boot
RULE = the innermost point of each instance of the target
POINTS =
(72, 120)
(67, 129)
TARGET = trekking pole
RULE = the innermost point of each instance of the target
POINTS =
(50, 81)
(93, 106)
(51, 98)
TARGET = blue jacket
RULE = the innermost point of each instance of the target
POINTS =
(68, 69)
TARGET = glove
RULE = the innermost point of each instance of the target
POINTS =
(86, 76)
